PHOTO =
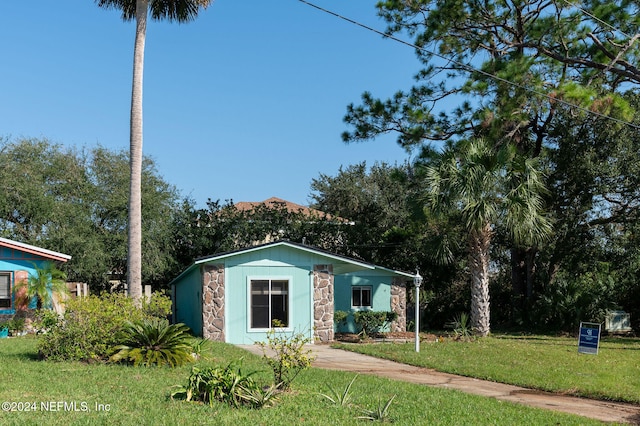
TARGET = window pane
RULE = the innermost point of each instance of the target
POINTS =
(259, 304)
(5, 291)
(366, 297)
(356, 300)
(279, 310)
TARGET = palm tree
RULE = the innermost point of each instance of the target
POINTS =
(489, 186)
(46, 281)
(172, 10)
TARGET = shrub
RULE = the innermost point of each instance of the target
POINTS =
(89, 327)
(286, 356)
(373, 322)
(340, 318)
(153, 342)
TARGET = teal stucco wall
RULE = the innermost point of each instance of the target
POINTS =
(188, 301)
(380, 283)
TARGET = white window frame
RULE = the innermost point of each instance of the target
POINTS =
(289, 281)
(9, 275)
(360, 288)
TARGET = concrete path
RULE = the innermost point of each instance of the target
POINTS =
(337, 359)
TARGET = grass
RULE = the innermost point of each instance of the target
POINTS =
(141, 396)
(538, 362)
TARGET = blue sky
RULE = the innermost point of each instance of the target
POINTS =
(244, 103)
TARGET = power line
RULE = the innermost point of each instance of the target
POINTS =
(470, 68)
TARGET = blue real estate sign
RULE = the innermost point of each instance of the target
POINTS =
(589, 339)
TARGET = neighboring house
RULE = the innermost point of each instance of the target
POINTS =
(16, 264)
(236, 297)
(278, 203)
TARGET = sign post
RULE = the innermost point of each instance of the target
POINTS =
(589, 339)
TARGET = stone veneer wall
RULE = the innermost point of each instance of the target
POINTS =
(399, 304)
(213, 302)
(323, 302)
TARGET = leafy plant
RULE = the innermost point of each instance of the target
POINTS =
(199, 346)
(286, 356)
(153, 342)
(462, 329)
(373, 322)
(380, 413)
(89, 328)
(46, 281)
(229, 385)
(340, 398)
(16, 325)
(340, 317)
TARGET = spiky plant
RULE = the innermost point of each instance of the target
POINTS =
(153, 342)
(340, 398)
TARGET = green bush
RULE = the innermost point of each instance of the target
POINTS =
(373, 322)
(153, 342)
(90, 325)
(340, 318)
(286, 356)
(229, 385)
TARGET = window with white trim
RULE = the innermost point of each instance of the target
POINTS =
(269, 303)
(361, 296)
(5, 290)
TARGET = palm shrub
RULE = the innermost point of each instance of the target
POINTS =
(153, 342)
(46, 280)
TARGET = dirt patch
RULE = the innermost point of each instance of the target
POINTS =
(386, 337)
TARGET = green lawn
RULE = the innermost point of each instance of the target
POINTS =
(539, 362)
(128, 396)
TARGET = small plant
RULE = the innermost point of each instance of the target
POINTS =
(380, 413)
(286, 356)
(229, 385)
(198, 347)
(260, 397)
(153, 342)
(462, 330)
(340, 318)
(16, 326)
(340, 398)
(373, 322)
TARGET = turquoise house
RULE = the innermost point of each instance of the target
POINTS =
(17, 262)
(237, 297)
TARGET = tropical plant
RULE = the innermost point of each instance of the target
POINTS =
(489, 186)
(172, 10)
(340, 398)
(286, 356)
(461, 328)
(46, 281)
(380, 413)
(228, 384)
(89, 328)
(153, 342)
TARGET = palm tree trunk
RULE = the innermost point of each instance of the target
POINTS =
(134, 259)
(480, 242)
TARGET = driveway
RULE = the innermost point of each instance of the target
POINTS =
(337, 359)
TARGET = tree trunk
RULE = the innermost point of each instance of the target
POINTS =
(479, 264)
(134, 259)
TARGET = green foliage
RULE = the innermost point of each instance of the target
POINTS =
(16, 325)
(75, 202)
(46, 319)
(380, 413)
(373, 322)
(229, 385)
(89, 327)
(286, 355)
(153, 341)
(340, 318)
(340, 398)
(47, 280)
(462, 330)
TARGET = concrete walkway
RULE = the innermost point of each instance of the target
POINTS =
(336, 359)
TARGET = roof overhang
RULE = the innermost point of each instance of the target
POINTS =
(38, 251)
